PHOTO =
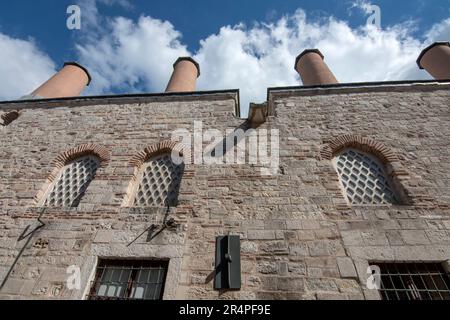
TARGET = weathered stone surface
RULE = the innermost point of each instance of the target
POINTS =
(346, 267)
(261, 235)
(299, 237)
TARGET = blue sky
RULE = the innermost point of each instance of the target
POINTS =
(246, 44)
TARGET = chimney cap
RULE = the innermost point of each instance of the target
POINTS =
(424, 51)
(188, 59)
(76, 64)
(306, 52)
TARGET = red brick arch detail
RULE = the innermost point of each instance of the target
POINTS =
(166, 146)
(65, 157)
(159, 148)
(9, 117)
(384, 153)
(79, 151)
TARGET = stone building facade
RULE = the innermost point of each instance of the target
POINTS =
(301, 238)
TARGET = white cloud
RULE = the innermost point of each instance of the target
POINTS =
(125, 55)
(90, 15)
(132, 56)
(23, 67)
(138, 56)
(253, 59)
(363, 5)
(439, 32)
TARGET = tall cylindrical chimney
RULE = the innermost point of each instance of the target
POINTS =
(184, 77)
(312, 69)
(436, 60)
(68, 82)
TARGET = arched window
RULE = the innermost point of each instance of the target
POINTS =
(363, 178)
(158, 182)
(72, 182)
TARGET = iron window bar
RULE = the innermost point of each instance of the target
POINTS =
(129, 280)
(414, 281)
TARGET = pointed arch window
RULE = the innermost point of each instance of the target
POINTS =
(363, 178)
(72, 182)
(159, 181)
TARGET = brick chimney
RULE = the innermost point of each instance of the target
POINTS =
(436, 60)
(184, 77)
(68, 82)
(312, 69)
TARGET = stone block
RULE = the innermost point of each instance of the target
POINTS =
(319, 248)
(298, 250)
(261, 235)
(103, 236)
(313, 284)
(352, 238)
(290, 284)
(414, 237)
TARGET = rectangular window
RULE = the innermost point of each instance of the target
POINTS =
(129, 280)
(414, 281)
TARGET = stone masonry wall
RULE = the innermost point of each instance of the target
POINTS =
(299, 238)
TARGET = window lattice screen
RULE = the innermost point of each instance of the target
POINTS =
(73, 182)
(159, 183)
(363, 178)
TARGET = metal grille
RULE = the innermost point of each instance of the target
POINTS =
(159, 183)
(73, 182)
(363, 178)
(129, 280)
(414, 281)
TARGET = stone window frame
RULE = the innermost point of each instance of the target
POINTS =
(8, 117)
(412, 281)
(393, 167)
(64, 159)
(139, 160)
(133, 266)
(174, 269)
(364, 257)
